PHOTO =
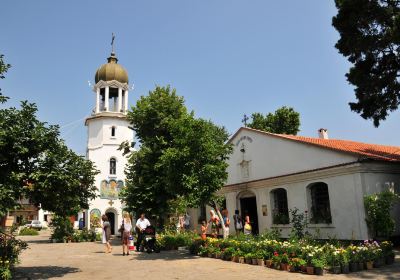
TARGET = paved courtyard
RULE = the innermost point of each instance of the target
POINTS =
(44, 260)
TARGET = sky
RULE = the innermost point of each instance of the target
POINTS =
(226, 57)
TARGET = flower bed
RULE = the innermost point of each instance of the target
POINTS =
(308, 256)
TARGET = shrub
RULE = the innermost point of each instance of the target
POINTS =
(63, 229)
(28, 231)
(10, 248)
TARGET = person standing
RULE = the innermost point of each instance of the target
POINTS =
(226, 222)
(247, 225)
(204, 226)
(214, 220)
(238, 223)
(106, 233)
(126, 233)
(141, 224)
(187, 222)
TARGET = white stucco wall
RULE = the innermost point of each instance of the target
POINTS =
(270, 156)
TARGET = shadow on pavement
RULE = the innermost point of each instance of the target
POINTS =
(164, 255)
(42, 272)
(388, 272)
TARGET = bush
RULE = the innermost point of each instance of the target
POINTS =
(173, 240)
(63, 229)
(10, 248)
(28, 231)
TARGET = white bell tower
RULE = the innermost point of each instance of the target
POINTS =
(108, 127)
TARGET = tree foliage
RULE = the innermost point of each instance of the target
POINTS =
(284, 120)
(370, 39)
(180, 157)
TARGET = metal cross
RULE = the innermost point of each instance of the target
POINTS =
(245, 119)
(112, 42)
(111, 202)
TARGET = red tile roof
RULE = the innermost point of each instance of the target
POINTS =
(367, 151)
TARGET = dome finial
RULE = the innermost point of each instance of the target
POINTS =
(112, 44)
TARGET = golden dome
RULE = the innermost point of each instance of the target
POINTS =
(111, 71)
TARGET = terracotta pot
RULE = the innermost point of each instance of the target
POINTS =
(218, 255)
(260, 262)
(268, 263)
(353, 267)
(345, 268)
(310, 270)
(235, 259)
(369, 265)
(291, 268)
(210, 255)
(254, 261)
(247, 260)
(303, 268)
(284, 266)
(241, 260)
(336, 269)
(319, 271)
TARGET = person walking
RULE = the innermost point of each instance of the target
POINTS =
(141, 224)
(106, 233)
(238, 223)
(187, 222)
(126, 233)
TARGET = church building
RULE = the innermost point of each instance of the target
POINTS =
(107, 128)
(326, 179)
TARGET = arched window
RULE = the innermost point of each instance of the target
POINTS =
(113, 131)
(113, 166)
(280, 213)
(320, 204)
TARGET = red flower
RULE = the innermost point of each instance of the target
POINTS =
(276, 253)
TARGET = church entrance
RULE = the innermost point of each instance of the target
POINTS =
(248, 206)
(111, 219)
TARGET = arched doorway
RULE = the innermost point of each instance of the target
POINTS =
(248, 206)
(112, 218)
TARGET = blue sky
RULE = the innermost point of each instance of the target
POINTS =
(226, 57)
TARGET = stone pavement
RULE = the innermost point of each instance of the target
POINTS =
(46, 260)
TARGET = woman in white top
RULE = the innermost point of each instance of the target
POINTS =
(126, 233)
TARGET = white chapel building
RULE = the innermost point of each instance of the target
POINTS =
(107, 128)
(269, 174)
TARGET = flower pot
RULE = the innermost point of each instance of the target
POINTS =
(360, 266)
(319, 271)
(291, 268)
(218, 255)
(379, 262)
(260, 262)
(209, 255)
(369, 265)
(284, 266)
(235, 258)
(303, 268)
(254, 262)
(345, 268)
(268, 263)
(336, 269)
(241, 260)
(248, 260)
(353, 267)
(389, 259)
(310, 270)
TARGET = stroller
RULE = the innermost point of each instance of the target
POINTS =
(149, 241)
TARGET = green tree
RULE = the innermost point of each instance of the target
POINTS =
(370, 39)
(180, 157)
(284, 120)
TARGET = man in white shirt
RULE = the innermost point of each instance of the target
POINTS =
(141, 224)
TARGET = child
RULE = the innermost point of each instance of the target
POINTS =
(204, 230)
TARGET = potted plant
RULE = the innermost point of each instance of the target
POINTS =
(268, 259)
(333, 260)
(344, 261)
(353, 258)
(284, 261)
(248, 258)
(318, 264)
(294, 264)
(276, 260)
(387, 250)
(259, 257)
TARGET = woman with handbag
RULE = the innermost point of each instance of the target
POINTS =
(247, 226)
(106, 233)
(126, 228)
